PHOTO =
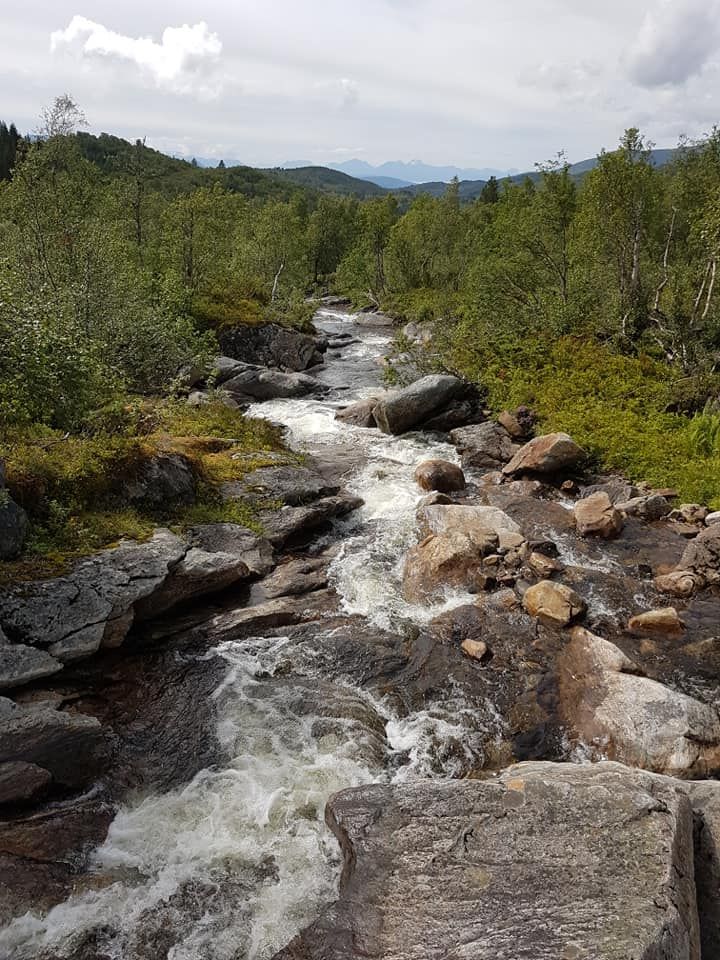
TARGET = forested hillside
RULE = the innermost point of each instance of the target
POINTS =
(594, 302)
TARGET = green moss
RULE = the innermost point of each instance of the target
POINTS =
(70, 485)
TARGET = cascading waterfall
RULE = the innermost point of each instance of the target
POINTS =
(235, 863)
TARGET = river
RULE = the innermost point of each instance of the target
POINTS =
(233, 864)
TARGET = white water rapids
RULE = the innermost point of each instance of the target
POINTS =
(232, 865)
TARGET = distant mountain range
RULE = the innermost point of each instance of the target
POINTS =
(406, 173)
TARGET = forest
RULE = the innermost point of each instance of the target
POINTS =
(592, 299)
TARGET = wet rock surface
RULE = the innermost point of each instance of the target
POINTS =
(500, 869)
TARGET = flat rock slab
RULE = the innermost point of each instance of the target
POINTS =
(548, 862)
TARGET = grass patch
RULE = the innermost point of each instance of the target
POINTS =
(72, 486)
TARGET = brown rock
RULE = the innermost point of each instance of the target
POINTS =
(595, 516)
(553, 604)
(482, 524)
(657, 623)
(437, 562)
(359, 414)
(547, 455)
(542, 566)
(678, 583)
(474, 648)
(440, 475)
(512, 425)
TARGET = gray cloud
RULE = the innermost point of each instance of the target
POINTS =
(675, 41)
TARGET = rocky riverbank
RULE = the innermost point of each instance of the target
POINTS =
(436, 596)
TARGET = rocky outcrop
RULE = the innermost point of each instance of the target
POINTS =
(71, 747)
(271, 345)
(552, 454)
(473, 521)
(554, 604)
(622, 715)
(292, 485)
(548, 861)
(440, 475)
(295, 523)
(595, 516)
(259, 383)
(484, 446)
(51, 622)
(411, 407)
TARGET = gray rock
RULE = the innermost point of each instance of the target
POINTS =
(651, 507)
(21, 664)
(705, 798)
(485, 446)
(295, 522)
(292, 485)
(224, 368)
(198, 574)
(258, 383)
(549, 861)
(294, 578)
(21, 782)
(230, 538)
(271, 345)
(71, 746)
(410, 407)
(77, 611)
(13, 527)
(617, 489)
(702, 556)
(166, 479)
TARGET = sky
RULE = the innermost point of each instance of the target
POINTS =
(468, 82)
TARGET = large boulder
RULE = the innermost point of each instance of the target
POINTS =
(484, 446)
(440, 475)
(549, 861)
(611, 708)
(259, 383)
(410, 407)
(595, 516)
(270, 345)
(293, 485)
(298, 523)
(235, 540)
(548, 455)
(438, 562)
(554, 604)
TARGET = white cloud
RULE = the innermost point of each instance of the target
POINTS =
(183, 62)
(675, 41)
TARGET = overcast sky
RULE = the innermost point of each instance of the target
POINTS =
(471, 82)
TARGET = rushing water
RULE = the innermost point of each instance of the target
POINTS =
(232, 865)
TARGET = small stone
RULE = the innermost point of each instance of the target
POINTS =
(542, 566)
(665, 622)
(549, 454)
(678, 583)
(597, 517)
(553, 604)
(712, 518)
(474, 648)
